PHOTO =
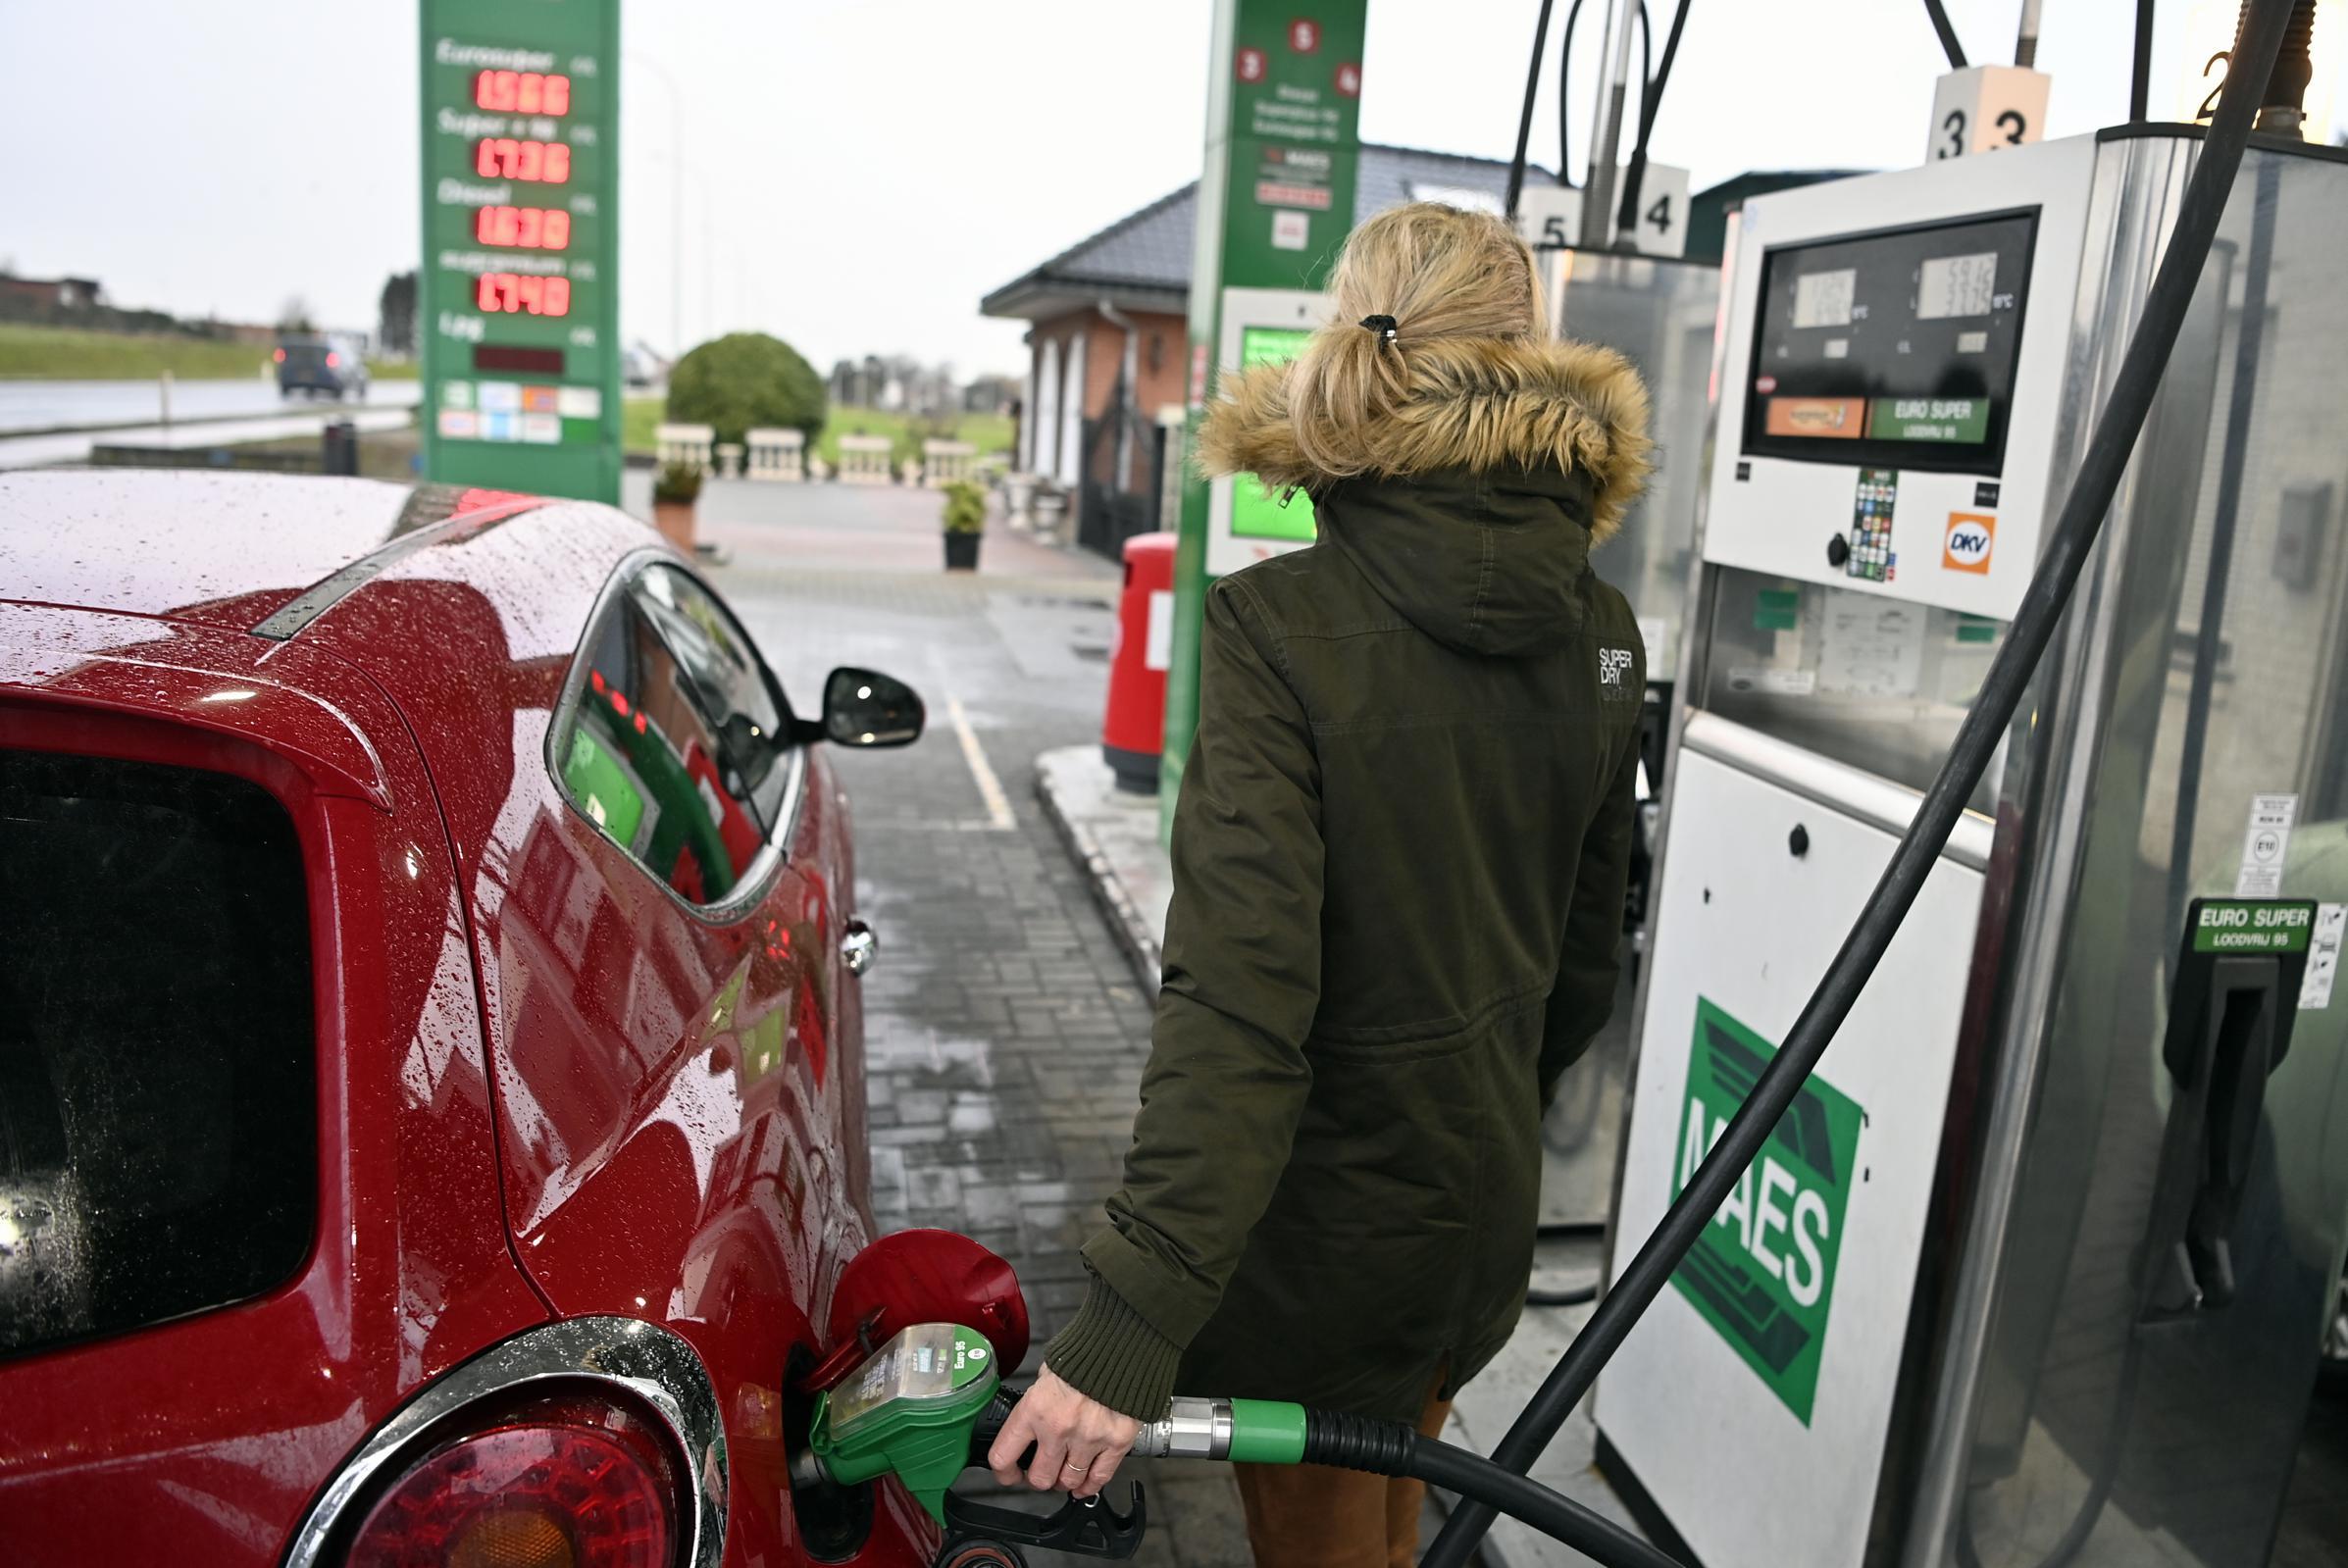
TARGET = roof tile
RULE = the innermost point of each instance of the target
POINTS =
(1150, 248)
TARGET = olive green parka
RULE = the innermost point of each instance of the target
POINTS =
(1400, 857)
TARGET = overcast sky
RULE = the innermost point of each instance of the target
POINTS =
(858, 173)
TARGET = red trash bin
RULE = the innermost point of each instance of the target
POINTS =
(1133, 731)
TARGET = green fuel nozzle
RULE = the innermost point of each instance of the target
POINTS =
(908, 1411)
(928, 1404)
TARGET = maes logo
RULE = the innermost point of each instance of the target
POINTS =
(1762, 1273)
(1969, 539)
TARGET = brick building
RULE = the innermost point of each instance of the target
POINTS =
(62, 293)
(1102, 404)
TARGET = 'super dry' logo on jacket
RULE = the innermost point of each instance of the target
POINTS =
(1614, 668)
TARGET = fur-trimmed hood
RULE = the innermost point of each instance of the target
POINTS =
(1474, 404)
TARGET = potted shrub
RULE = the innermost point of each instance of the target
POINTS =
(675, 489)
(965, 522)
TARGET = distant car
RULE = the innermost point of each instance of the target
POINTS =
(432, 1084)
(332, 365)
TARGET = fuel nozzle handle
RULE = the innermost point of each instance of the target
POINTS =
(1250, 1430)
(988, 1425)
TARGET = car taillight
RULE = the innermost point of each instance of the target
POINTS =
(578, 1485)
(280, 356)
(332, 359)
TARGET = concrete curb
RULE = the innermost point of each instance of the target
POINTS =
(1126, 920)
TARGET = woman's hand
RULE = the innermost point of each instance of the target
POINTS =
(1079, 1442)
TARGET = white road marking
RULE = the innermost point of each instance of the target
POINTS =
(982, 772)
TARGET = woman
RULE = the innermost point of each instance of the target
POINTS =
(1399, 858)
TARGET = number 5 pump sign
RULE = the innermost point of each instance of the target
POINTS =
(518, 303)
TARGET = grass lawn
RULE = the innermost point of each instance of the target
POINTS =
(989, 432)
(77, 354)
(638, 417)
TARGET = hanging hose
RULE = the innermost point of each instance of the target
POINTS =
(1650, 101)
(1649, 91)
(1576, 1296)
(1566, 1231)
(2067, 545)
(1566, 77)
(1524, 121)
(1947, 34)
(2099, 1486)
(1573, 14)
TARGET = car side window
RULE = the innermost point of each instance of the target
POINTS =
(676, 740)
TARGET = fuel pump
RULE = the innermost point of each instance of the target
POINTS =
(2054, 1137)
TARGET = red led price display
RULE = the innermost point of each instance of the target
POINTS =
(522, 93)
(502, 293)
(523, 228)
(504, 158)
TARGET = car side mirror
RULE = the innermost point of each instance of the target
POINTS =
(866, 708)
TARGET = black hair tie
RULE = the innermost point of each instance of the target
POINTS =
(1383, 326)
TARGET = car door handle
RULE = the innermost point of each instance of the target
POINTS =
(858, 947)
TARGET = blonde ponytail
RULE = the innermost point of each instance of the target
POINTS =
(1409, 279)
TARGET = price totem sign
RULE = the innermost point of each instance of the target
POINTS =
(1275, 202)
(518, 306)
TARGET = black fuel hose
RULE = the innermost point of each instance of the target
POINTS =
(1394, 1448)
(1651, 103)
(1383, 1447)
(1566, 81)
(1947, 34)
(1524, 123)
(1571, 1296)
(1562, 1231)
(2065, 554)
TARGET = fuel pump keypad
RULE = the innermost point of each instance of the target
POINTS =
(1870, 525)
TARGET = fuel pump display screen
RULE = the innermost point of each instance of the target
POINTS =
(1892, 350)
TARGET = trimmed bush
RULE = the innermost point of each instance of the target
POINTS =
(747, 381)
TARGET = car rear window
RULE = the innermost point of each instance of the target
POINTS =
(157, 1102)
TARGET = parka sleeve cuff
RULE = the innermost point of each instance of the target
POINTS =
(1110, 1353)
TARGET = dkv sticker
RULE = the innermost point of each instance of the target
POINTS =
(1966, 546)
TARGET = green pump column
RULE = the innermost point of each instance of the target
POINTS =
(1275, 201)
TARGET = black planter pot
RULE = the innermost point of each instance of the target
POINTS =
(961, 552)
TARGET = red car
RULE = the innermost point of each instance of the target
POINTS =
(431, 1101)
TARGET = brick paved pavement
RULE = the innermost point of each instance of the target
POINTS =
(1004, 1031)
